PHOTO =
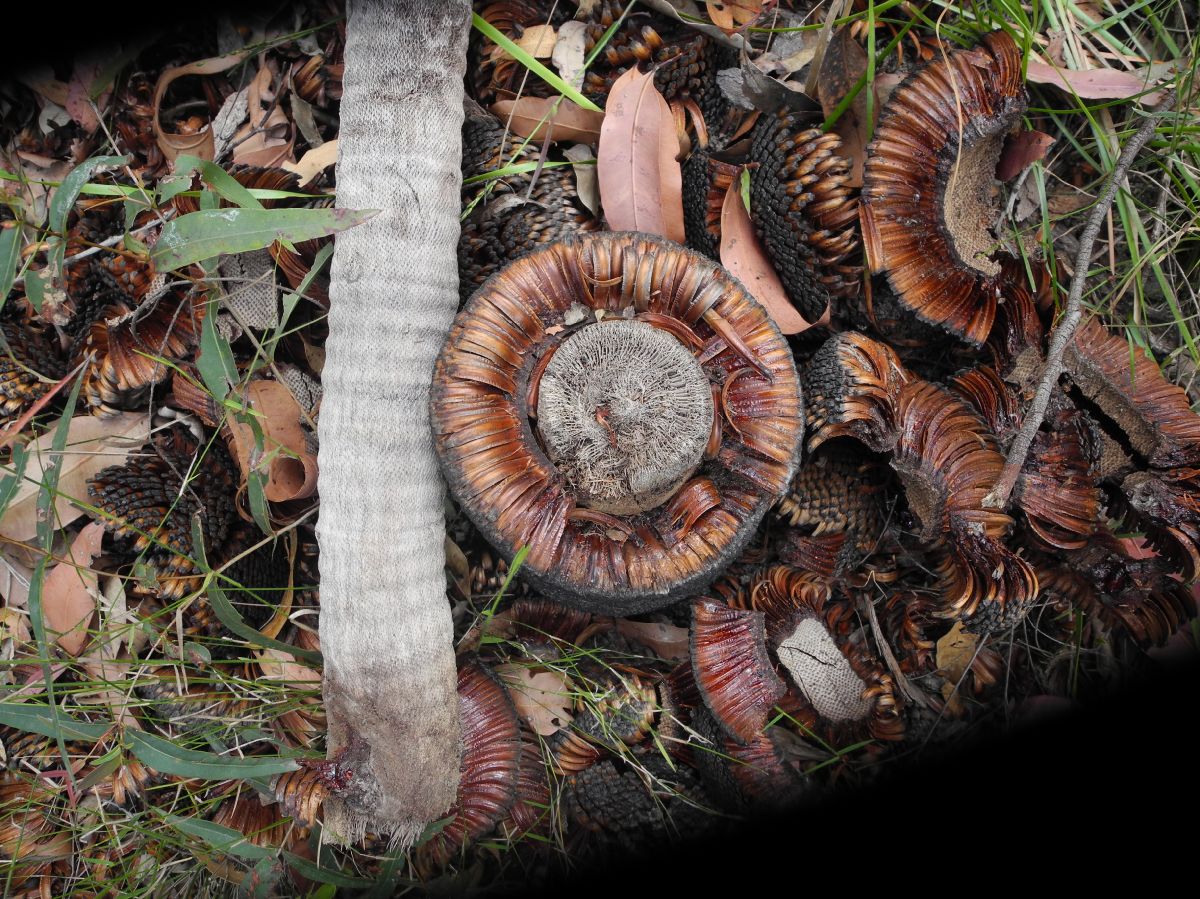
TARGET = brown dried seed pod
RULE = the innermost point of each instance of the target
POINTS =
(622, 421)
(746, 776)
(947, 463)
(731, 668)
(30, 363)
(1167, 505)
(31, 838)
(705, 183)
(542, 620)
(804, 210)
(837, 510)
(851, 385)
(838, 686)
(512, 221)
(145, 502)
(261, 824)
(490, 765)
(1056, 491)
(1154, 415)
(133, 349)
(530, 812)
(927, 185)
(301, 793)
(910, 621)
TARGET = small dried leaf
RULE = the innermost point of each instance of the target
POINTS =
(279, 665)
(955, 652)
(569, 52)
(530, 116)
(92, 444)
(543, 699)
(641, 184)
(292, 475)
(743, 255)
(69, 592)
(1100, 84)
(587, 185)
(1022, 149)
(314, 161)
(538, 41)
(201, 143)
(262, 142)
(668, 640)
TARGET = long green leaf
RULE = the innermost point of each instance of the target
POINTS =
(165, 757)
(230, 617)
(491, 33)
(219, 179)
(10, 257)
(215, 363)
(223, 839)
(38, 718)
(66, 195)
(211, 232)
(313, 871)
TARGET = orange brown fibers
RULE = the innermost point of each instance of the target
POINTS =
(654, 539)
(947, 462)
(926, 199)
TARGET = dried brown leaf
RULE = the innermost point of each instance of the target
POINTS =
(743, 254)
(293, 469)
(263, 141)
(92, 444)
(668, 640)
(1022, 149)
(1100, 84)
(69, 591)
(314, 161)
(844, 63)
(586, 183)
(570, 52)
(201, 143)
(641, 184)
(538, 41)
(542, 698)
(955, 652)
(530, 116)
(277, 664)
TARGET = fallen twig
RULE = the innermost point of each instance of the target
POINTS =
(1064, 331)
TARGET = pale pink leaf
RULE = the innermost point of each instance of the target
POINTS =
(69, 591)
(641, 184)
(743, 255)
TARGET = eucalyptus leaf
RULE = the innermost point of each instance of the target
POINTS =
(165, 757)
(213, 232)
(223, 839)
(39, 718)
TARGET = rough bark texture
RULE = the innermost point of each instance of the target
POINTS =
(390, 683)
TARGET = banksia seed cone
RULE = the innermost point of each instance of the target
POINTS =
(146, 502)
(804, 211)
(622, 407)
(927, 182)
(948, 463)
(851, 386)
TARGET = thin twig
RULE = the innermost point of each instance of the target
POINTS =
(1064, 331)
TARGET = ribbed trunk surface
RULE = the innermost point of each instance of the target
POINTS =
(385, 623)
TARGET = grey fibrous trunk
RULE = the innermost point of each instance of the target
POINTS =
(386, 635)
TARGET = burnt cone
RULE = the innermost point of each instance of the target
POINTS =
(837, 511)
(851, 386)
(489, 769)
(30, 363)
(731, 669)
(948, 462)
(508, 224)
(928, 181)
(145, 503)
(836, 685)
(1154, 416)
(1056, 490)
(624, 408)
(803, 210)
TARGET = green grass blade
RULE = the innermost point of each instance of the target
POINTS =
(165, 757)
(491, 33)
